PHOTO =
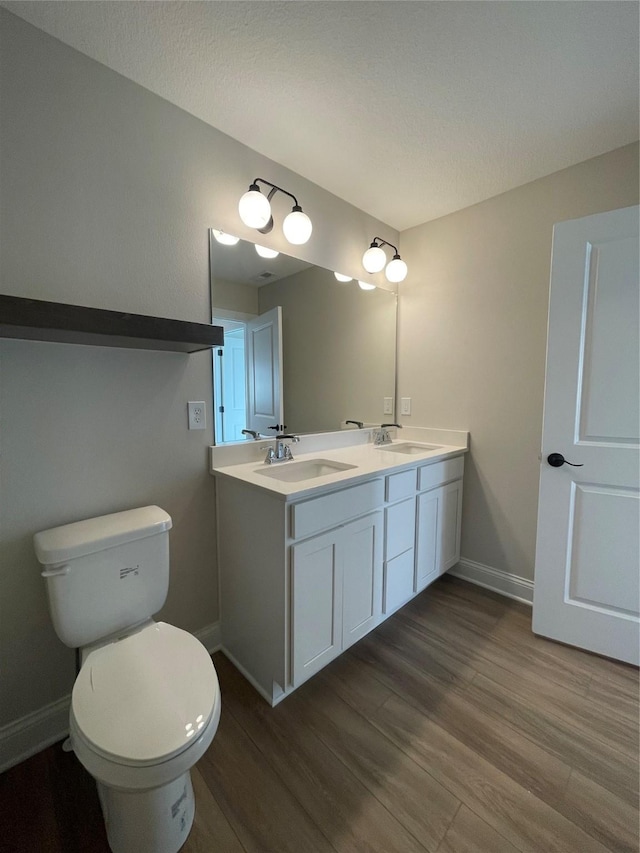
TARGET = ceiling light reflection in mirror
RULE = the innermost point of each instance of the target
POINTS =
(338, 343)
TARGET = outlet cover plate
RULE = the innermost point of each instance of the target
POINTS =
(197, 414)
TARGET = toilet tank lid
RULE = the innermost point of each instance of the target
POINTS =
(60, 544)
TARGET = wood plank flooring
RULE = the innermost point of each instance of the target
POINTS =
(449, 729)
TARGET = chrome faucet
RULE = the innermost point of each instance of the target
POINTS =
(381, 436)
(359, 424)
(281, 452)
(251, 432)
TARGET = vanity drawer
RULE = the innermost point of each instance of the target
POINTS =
(332, 510)
(402, 485)
(440, 472)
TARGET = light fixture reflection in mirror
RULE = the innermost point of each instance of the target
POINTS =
(338, 344)
(342, 278)
(265, 252)
(225, 239)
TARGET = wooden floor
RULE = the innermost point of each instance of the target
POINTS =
(450, 728)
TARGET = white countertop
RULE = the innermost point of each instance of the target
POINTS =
(369, 460)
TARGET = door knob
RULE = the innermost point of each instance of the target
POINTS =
(557, 460)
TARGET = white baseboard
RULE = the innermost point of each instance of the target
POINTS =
(210, 637)
(504, 583)
(25, 737)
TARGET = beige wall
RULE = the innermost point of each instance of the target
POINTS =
(339, 349)
(234, 296)
(107, 195)
(472, 339)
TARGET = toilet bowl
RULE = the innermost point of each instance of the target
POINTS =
(146, 701)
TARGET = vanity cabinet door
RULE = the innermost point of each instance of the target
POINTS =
(438, 539)
(361, 552)
(428, 520)
(450, 510)
(316, 605)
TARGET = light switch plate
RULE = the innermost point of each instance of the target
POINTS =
(405, 405)
(387, 408)
(197, 414)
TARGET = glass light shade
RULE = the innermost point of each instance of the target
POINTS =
(254, 209)
(396, 270)
(225, 239)
(343, 278)
(264, 252)
(297, 227)
(374, 259)
(365, 285)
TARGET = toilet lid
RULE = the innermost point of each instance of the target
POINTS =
(145, 698)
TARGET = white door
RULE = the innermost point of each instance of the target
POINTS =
(264, 373)
(587, 562)
(230, 388)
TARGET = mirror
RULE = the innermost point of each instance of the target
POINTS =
(301, 349)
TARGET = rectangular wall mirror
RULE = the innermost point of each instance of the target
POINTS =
(302, 351)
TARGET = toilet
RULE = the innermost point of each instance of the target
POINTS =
(146, 701)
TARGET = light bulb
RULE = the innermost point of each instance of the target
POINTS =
(254, 208)
(343, 278)
(264, 252)
(225, 239)
(374, 259)
(365, 285)
(396, 269)
(297, 226)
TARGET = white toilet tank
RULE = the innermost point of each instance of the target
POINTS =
(105, 574)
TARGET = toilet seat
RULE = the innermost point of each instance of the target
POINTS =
(143, 700)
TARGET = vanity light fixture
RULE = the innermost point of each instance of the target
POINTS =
(343, 278)
(365, 285)
(225, 239)
(374, 259)
(255, 211)
(265, 252)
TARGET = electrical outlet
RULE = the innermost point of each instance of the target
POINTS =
(197, 415)
(387, 407)
(405, 405)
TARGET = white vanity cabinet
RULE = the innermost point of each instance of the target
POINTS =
(336, 593)
(439, 509)
(303, 579)
(300, 581)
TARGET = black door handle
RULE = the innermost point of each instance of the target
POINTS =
(557, 460)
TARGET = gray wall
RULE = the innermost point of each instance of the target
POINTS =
(107, 195)
(472, 340)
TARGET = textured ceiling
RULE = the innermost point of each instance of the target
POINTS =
(408, 110)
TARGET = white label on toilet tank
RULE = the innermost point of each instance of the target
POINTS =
(129, 570)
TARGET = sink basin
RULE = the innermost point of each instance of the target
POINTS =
(410, 449)
(293, 472)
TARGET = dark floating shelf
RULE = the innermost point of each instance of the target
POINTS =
(37, 320)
